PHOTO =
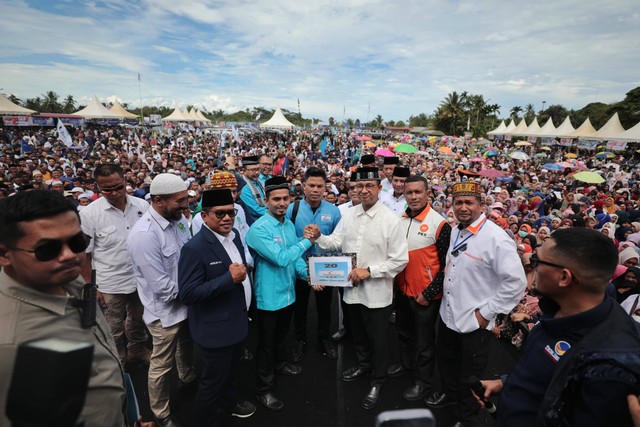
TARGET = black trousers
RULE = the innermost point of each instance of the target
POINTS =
(273, 327)
(301, 308)
(461, 356)
(217, 393)
(369, 328)
(416, 327)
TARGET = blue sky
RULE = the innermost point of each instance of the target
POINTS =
(401, 56)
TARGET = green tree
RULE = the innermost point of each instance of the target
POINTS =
(529, 113)
(450, 110)
(34, 104)
(515, 112)
(50, 103)
(421, 120)
(332, 121)
(400, 124)
(15, 99)
(69, 105)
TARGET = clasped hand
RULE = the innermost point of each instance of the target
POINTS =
(238, 272)
(311, 232)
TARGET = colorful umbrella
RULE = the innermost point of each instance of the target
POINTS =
(370, 144)
(445, 150)
(491, 173)
(605, 155)
(523, 144)
(541, 155)
(477, 160)
(571, 156)
(519, 155)
(490, 153)
(546, 148)
(566, 165)
(552, 167)
(405, 148)
(589, 177)
(384, 153)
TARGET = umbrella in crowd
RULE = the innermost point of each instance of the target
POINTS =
(566, 165)
(571, 155)
(405, 148)
(552, 167)
(522, 144)
(477, 160)
(490, 153)
(491, 173)
(546, 148)
(605, 155)
(589, 177)
(383, 152)
(445, 150)
(370, 144)
(541, 155)
(519, 155)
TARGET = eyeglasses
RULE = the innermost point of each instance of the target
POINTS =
(221, 214)
(361, 187)
(459, 250)
(51, 249)
(535, 261)
(111, 189)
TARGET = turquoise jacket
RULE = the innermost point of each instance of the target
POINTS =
(277, 256)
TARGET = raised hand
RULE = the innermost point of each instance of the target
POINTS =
(238, 272)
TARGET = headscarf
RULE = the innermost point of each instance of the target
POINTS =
(627, 254)
(620, 232)
(610, 228)
(602, 219)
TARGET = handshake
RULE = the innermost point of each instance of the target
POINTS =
(312, 232)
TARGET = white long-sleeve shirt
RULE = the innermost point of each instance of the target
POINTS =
(154, 245)
(375, 236)
(488, 275)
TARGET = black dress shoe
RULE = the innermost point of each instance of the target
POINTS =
(415, 392)
(168, 422)
(355, 373)
(339, 336)
(270, 401)
(397, 370)
(297, 353)
(290, 369)
(246, 355)
(438, 399)
(373, 397)
(243, 409)
(464, 424)
(327, 348)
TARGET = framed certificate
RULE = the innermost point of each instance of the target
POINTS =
(331, 269)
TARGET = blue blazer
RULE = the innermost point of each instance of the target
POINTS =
(217, 310)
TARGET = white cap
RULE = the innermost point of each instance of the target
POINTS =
(167, 183)
(77, 190)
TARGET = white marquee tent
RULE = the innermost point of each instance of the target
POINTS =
(278, 121)
(548, 129)
(518, 130)
(532, 130)
(609, 130)
(119, 109)
(499, 130)
(95, 110)
(585, 130)
(564, 129)
(176, 116)
(201, 117)
(8, 107)
(631, 134)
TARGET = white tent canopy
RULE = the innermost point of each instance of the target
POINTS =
(548, 129)
(119, 109)
(564, 129)
(532, 130)
(518, 130)
(192, 114)
(585, 130)
(95, 110)
(201, 117)
(610, 129)
(510, 127)
(498, 131)
(176, 116)
(8, 107)
(631, 134)
(278, 120)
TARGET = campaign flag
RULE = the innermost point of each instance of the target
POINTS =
(468, 122)
(323, 145)
(285, 166)
(24, 148)
(63, 134)
(259, 115)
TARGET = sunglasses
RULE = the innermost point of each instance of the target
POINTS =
(51, 249)
(221, 214)
(535, 261)
(458, 251)
(112, 189)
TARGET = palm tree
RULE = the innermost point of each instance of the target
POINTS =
(529, 112)
(50, 102)
(69, 104)
(515, 112)
(452, 108)
(378, 122)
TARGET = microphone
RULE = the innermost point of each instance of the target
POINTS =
(479, 390)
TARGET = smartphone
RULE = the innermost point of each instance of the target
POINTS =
(406, 418)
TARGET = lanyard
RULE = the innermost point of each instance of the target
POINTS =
(456, 245)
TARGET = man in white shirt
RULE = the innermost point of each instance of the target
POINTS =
(154, 244)
(372, 232)
(395, 200)
(108, 221)
(388, 165)
(483, 278)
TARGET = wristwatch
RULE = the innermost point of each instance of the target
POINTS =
(369, 270)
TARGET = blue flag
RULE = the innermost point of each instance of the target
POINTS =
(323, 146)
(285, 166)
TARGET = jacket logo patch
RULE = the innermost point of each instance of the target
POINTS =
(278, 240)
(325, 218)
(215, 263)
(559, 349)
(424, 228)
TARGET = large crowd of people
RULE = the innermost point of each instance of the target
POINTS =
(189, 234)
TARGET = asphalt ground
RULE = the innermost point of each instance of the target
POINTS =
(318, 397)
